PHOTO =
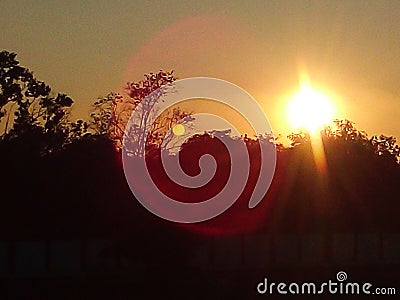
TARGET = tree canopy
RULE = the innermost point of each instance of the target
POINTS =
(29, 109)
(111, 114)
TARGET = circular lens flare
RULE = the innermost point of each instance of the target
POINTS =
(178, 129)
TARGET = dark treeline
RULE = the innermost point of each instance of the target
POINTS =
(65, 179)
(82, 190)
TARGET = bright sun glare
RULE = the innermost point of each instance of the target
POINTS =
(310, 109)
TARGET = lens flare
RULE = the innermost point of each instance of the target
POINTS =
(148, 190)
(178, 129)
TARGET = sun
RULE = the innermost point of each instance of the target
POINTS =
(310, 109)
(178, 129)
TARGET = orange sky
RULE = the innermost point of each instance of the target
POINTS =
(87, 49)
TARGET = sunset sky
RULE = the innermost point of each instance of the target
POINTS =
(350, 49)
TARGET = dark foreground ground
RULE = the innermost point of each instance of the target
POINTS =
(190, 284)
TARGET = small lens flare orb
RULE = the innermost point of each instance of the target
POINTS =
(178, 129)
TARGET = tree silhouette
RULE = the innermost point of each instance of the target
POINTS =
(31, 111)
(345, 132)
(386, 146)
(111, 114)
(104, 117)
(299, 138)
